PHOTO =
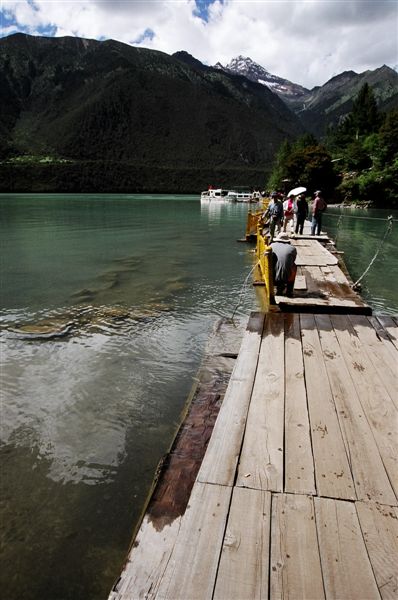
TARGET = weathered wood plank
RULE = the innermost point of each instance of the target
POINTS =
(299, 464)
(387, 331)
(347, 572)
(376, 336)
(381, 413)
(300, 283)
(335, 274)
(379, 526)
(330, 288)
(219, 463)
(191, 570)
(382, 357)
(332, 469)
(295, 563)
(147, 561)
(329, 276)
(311, 286)
(300, 242)
(390, 327)
(244, 564)
(314, 261)
(313, 303)
(370, 478)
(261, 461)
(314, 255)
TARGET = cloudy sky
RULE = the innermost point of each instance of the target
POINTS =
(305, 41)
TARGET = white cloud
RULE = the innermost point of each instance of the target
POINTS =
(306, 41)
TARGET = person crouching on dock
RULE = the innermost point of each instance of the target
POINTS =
(285, 269)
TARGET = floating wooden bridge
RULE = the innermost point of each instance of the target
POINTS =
(296, 494)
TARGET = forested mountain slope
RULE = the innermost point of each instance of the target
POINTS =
(159, 122)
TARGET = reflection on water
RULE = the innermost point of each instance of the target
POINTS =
(107, 302)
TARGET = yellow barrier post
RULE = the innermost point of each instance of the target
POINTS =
(265, 263)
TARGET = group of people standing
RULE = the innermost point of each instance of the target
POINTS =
(293, 211)
(290, 212)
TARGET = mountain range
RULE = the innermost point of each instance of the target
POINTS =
(90, 115)
(133, 118)
(323, 105)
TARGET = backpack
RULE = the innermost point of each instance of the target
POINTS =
(289, 208)
(321, 205)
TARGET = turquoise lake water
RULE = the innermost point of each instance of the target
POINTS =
(137, 283)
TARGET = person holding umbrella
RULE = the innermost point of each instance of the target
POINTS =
(290, 207)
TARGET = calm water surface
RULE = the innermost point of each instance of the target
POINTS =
(359, 234)
(137, 283)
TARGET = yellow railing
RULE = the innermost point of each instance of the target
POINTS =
(265, 266)
(254, 218)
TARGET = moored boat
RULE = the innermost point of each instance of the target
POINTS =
(215, 194)
(244, 196)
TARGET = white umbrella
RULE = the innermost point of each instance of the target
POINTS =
(297, 191)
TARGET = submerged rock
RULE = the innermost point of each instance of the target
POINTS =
(46, 329)
(85, 295)
(83, 318)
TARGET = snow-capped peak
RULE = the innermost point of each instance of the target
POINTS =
(243, 65)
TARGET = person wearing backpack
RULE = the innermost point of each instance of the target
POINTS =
(318, 208)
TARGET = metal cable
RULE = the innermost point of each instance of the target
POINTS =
(387, 231)
(243, 289)
(356, 217)
(339, 222)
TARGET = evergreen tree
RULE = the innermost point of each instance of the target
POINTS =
(306, 163)
(279, 172)
(365, 117)
(389, 137)
(305, 141)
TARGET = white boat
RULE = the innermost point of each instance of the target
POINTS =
(216, 194)
(244, 196)
(220, 194)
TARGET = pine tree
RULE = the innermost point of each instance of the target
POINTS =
(279, 173)
(365, 117)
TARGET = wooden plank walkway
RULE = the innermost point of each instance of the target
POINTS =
(321, 286)
(297, 493)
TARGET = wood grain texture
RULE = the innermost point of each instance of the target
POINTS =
(192, 567)
(369, 475)
(347, 572)
(219, 463)
(380, 411)
(379, 526)
(382, 356)
(261, 460)
(390, 326)
(147, 561)
(299, 463)
(244, 564)
(295, 564)
(332, 469)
